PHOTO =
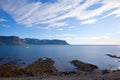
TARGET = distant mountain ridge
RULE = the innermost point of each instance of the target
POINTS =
(15, 40)
(10, 40)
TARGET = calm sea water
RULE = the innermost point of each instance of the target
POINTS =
(62, 54)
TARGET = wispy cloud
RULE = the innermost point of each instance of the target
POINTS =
(58, 24)
(60, 29)
(5, 26)
(115, 12)
(29, 13)
(71, 27)
(104, 39)
(2, 20)
(89, 21)
(64, 36)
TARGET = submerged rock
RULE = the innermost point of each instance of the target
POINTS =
(1, 59)
(83, 66)
(41, 67)
(113, 56)
(9, 57)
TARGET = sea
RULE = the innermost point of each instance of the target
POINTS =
(63, 54)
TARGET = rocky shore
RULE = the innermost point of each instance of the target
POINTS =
(44, 69)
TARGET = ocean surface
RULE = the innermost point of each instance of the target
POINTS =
(63, 54)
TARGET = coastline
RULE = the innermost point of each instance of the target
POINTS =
(94, 75)
(43, 69)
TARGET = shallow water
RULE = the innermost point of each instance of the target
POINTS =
(62, 54)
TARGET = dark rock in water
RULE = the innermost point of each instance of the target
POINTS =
(14, 62)
(9, 57)
(1, 59)
(42, 66)
(23, 63)
(105, 71)
(83, 66)
(113, 56)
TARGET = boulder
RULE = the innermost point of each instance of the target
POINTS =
(83, 66)
(8, 70)
(41, 67)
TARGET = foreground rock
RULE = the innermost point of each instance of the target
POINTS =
(1, 59)
(8, 70)
(83, 66)
(94, 75)
(42, 69)
(41, 66)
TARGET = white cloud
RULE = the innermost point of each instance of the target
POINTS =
(60, 29)
(5, 26)
(118, 32)
(2, 20)
(63, 36)
(35, 13)
(71, 27)
(115, 12)
(89, 21)
(68, 35)
(104, 39)
(58, 24)
(108, 38)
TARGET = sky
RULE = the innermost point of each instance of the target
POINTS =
(89, 22)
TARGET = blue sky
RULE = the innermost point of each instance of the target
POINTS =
(76, 21)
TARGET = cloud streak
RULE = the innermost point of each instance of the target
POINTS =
(2, 20)
(89, 21)
(54, 14)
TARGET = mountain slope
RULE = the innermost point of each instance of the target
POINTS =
(14, 40)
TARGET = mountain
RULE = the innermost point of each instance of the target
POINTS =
(14, 40)
(44, 42)
(10, 40)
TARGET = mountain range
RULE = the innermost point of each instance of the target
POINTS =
(15, 40)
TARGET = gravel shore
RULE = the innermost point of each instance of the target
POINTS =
(95, 75)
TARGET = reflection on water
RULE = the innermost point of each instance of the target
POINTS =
(62, 54)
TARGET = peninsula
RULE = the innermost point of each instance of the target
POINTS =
(15, 40)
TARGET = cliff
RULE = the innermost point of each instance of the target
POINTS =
(10, 40)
